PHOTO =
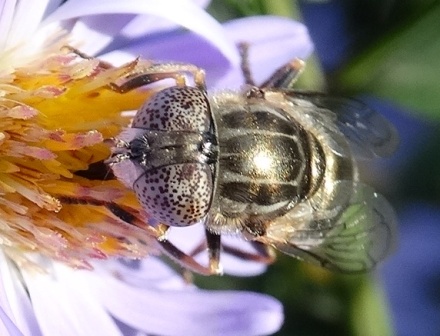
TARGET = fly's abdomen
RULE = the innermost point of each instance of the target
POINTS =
(265, 163)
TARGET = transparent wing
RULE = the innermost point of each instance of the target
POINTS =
(355, 240)
(369, 134)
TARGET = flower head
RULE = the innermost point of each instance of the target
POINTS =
(57, 110)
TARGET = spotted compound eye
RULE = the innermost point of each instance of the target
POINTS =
(178, 195)
(175, 109)
(178, 190)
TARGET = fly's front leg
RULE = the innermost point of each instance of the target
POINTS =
(185, 260)
(213, 242)
(158, 72)
(159, 232)
(146, 79)
(150, 74)
(172, 251)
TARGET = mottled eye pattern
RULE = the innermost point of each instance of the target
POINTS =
(178, 195)
(175, 109)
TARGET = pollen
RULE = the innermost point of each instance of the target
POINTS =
(57, 115)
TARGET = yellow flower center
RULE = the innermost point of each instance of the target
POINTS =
(55, 117)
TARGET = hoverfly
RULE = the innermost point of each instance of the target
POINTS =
(277, 166)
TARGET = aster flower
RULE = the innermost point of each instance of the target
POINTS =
(56, 111)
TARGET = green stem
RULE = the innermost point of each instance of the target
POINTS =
(288, 8)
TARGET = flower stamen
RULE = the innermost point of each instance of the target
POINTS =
(56, 114)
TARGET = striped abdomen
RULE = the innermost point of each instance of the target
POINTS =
(265, 163)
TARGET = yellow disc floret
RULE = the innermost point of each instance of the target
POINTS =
(55, 118)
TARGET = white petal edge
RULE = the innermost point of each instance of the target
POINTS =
(199, 21)
(14, 299)
(147, 273)
(7, 10)
(64, 304)
(190, 312)
(27, 17)
(7, 327)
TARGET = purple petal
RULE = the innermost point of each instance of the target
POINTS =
(7, 327)
(202, 3)
(127, 330)
(14, 299)
(148, 273)
(51, 6)
(240, 267)
(184, 13)
(274, 41)
(178, 47)
(192, 312)
(188, 238)
(96, 32)
(64, 305)
(142, 25)
(6, 17)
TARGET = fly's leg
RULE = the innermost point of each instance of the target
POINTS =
(125, 215)
(213, 242)
(161, 71)
(243, 49)
(146, 79)
(286, 76)
(187, 261)
(151, 73)
(264, 253)
(283, 78)
(160, 232)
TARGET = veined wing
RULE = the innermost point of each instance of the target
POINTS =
(369, 134)
(355, 240)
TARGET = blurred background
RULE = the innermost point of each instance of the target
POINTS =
(387, 53)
